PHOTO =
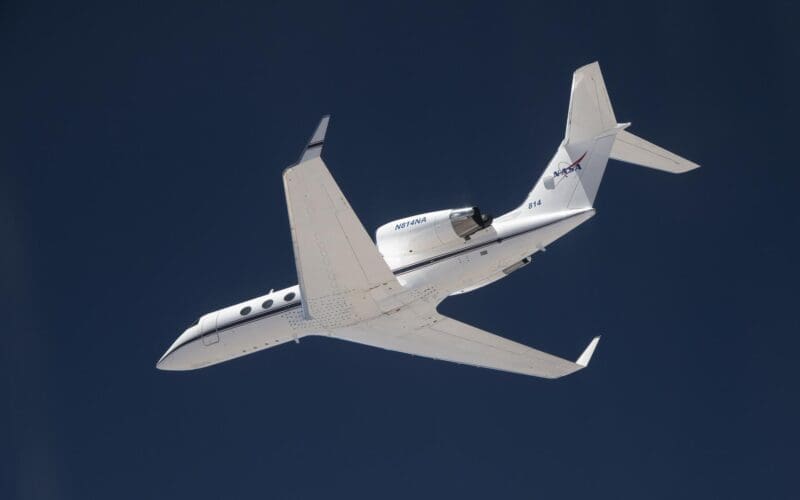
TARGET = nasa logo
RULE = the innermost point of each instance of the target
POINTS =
(572, 167)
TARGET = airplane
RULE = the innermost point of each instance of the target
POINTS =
(385, 293)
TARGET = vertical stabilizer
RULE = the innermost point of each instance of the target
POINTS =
(592, 136)
(573, 176)
(590, 113)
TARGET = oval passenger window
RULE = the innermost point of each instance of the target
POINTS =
(245, 311)
(289, 296)
(267, 304)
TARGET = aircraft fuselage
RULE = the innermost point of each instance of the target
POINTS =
(277, 318)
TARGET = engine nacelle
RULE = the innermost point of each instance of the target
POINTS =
(410, 239)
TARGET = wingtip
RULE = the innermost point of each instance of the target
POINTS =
(314, 147)
(322, 129)
(586, 356)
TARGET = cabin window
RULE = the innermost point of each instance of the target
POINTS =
(267, 304)
(289, 296)
(245, 311)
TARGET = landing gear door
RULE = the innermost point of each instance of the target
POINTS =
(208, 327)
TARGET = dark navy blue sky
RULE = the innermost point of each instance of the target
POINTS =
(140, 159)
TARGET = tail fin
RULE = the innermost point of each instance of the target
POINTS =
(572, 178)
(590, 113)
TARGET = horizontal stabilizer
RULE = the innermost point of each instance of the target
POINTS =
(632, 149)
(587, 353)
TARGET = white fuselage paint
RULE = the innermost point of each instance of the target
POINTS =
(227, 333)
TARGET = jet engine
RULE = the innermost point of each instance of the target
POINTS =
(410, 239)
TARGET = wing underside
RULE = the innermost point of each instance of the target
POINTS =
(340, 271)
(447, 339)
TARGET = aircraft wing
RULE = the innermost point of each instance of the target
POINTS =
(342, 276)
(446, 339)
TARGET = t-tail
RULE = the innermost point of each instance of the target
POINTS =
(572, 178)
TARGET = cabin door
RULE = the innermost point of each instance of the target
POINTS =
(208, 325)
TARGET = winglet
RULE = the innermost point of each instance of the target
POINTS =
(587, 353)
(314, 147)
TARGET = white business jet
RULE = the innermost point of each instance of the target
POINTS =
(385, 294)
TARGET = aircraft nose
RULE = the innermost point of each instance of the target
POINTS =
(161, 364)
(167, 361)
(171, 358)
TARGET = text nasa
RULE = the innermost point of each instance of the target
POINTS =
(567, 170)
(410, 222)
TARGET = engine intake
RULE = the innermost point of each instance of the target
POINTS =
(468, 221)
